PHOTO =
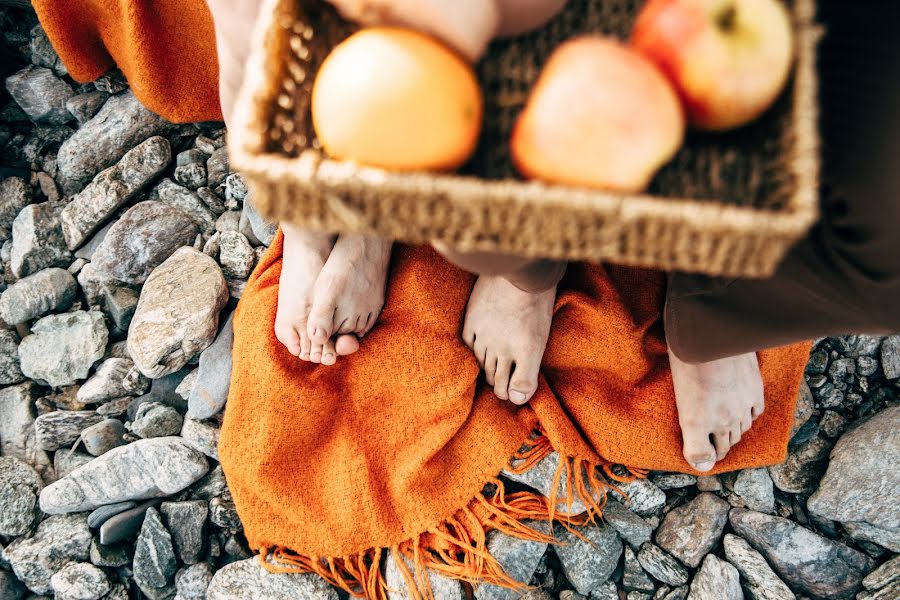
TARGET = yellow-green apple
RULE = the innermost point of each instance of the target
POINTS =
(601, 115)
(728, 59)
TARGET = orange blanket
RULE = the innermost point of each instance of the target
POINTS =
(392, 447)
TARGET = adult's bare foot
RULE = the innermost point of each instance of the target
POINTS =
(304, 257)
(348, 294)
(507, 330)
(717, 403)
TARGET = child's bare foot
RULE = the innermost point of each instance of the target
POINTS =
(717, 403)
(507, 329)
(304, 256)
(348, 294)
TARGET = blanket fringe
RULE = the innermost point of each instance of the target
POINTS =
(457, 548)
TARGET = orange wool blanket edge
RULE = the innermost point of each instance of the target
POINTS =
(392, 448)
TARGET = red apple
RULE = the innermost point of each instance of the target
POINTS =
(600, 115)
(728, 59)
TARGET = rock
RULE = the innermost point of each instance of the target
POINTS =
(154, 555)
(79, 581)
(632, 528)
(84, 106)
(119, 126)
(886, 574)
(223, 513)
(831, 424)
(588, 562)
(248, 580)
(47, 290)
(891, 592)
(235, 255)
(112, 188)
(211, 200)
(861, 531)
(672, 481)
(112, 82)
(217, 168)
(113, 555)
(41, 94)
(185, 521)
(61, 428)
(890, 357)
(803, 468)
(519, 559)
(155, 420)
(170, 193)
(193, 581)
(101, 515)
(716, 580)
(759, 580)
(20, 486)
(210, 392)
(10, 587)
(37, 240)
(42, 52)
(642, 496)
(690, 531)
(10, 371)
(191, 176)
(263, 230)
(15, 194)
(100, 438)
(57, 541)
(121, 302)
(111, 380)
(810, 563)
(62, 348)
(441, 587)
(861, 488)
(125, 524)
(178, 313)
(661, 565)
(806, 405)
(235, 188)
(634, 577)
(607, 591)
(203, 436)
(141, 240)
(754, 486)
(212, 485)
(679, 593)
(143, 469)
(187, 384)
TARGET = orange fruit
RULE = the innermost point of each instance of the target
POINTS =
(396, 99)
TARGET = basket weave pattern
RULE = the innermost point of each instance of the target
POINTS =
(728, 204)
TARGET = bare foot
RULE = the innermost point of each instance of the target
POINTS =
(507, 329)
(348, 294)
(717, 403)
(304, 256)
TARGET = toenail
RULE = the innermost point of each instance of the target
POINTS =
(517, 396)
(704, 466)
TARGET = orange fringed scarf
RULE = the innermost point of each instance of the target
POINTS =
(399, 446)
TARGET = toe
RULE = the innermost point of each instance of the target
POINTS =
(315, 352)
(524, 381)
(288, 336)
(305, 345)
(320, 325)
(345, 345)
(745, 424)
(734, 436)
(468, 337)
(480, 352)
(501, 378)
(698, 449)
(490, 368)
(722, 442)
(329, 355)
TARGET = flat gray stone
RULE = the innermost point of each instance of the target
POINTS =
(642, 496)
(10, 371)
(634, 577)
(210, 390)
(109, 555)
(119, 126)
(890, 592)
(223, 512)
(187, 201)
(890, 357)
(101, 515)
(68, 461)
(79, 581)
(810, 563)
(662, 566)
(15, 194)
(248, 580)
(217, 168)
(755, 488)
(185, 521)
(84, 106)
(178, 313)
(41, 94)
(541, 477)
(125, 524)
(690, 531)
(398, 587)
(112, 188)
(154, 555)
(143, 469)
(673, 481)
(716, 580)
(203, 436)
(100, 438)
(192, 581)
(61, 428)
(37, 240)
(113, 378)
(886, 574)
(62, 348)
(803, 468)
(154, 420)
(57, 541)
(588, 562)
(235, 255)
(20, 486)
(887, 538)
(759, 580)
(632, 528)
(142, 239)
(519, 559)
(51, 289)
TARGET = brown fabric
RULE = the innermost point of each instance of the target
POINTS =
(845, 276)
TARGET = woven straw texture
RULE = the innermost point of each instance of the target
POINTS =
(728, 204)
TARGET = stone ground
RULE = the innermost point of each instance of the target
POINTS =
(126, 242)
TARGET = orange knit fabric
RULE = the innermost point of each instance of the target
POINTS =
(391, 447)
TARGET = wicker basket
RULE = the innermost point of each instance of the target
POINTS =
(728, 204)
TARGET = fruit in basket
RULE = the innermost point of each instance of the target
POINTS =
(600, 115)
(521, 16)
(465, 25)
(728, 59)
(397, 99)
